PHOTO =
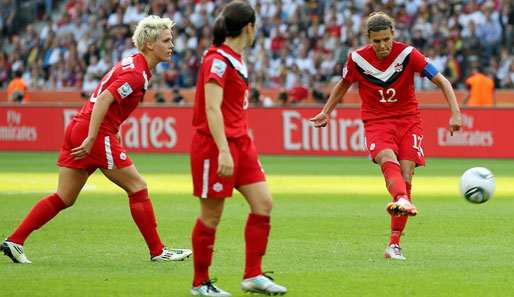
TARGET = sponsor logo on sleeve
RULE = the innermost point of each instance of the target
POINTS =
(345, 71)
(125, 90)
(218, 67)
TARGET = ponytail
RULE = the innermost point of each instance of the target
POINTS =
(219, 30)
(234, 17)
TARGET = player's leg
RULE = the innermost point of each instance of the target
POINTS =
(395, 184)
(256, 238)
(141, 208)
(398, 223)
(71, 181)
(203, 237)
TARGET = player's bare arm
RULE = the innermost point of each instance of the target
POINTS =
(336, 96)
(97, 116)
(213, 100)
(446, 87)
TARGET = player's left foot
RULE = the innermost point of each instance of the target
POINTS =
(262, 284)
(394, 251)
(402, 207)
(14, 251)
(172, 255)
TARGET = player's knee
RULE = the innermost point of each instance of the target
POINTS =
(212, 220)
(264, 206)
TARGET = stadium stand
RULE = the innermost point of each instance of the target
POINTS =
(69, 45)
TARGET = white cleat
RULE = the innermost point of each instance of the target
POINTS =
(262, 284)
(172, 255)
(14, 251)
(394, 251)
(208, 289)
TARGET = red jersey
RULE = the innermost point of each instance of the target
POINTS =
(386, 87)
(224, 66)
(127, 81)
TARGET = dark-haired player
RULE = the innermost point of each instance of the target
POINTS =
(385, 72)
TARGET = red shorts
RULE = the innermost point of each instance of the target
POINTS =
(107, 152)
(403, 135)
(204, 164)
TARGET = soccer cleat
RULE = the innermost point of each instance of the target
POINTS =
(208, 289)
(172, 255)
(394, 251)
(14, 251)
(402, 207)
(262, 284)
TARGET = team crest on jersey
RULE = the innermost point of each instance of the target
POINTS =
(123, 156)
(218, 67)
(398, 67)
(124, 90)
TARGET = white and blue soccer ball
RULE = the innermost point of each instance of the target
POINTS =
(477, 184)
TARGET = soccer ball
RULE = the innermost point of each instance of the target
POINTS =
(477, 184)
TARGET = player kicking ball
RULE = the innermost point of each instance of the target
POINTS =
(92, 141)
(385, 72)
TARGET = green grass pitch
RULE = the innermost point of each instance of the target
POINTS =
(330, 229)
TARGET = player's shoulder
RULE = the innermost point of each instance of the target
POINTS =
(365, 52)
(134, 66)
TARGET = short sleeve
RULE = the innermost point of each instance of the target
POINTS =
(418, 61)
(349, 70)
(129, 82)
(215, 68)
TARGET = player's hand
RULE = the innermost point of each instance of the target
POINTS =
(320, 120)
(455, 123)
(225, 164)
(84, 149)
(118, 136)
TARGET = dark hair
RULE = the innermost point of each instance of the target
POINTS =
(18, 73)
(232, 20)
(378, 21)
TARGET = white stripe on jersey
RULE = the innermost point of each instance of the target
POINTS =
(385, 75)
(108, 153)
(241, 67)
(205, 181)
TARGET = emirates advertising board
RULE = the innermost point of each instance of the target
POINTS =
(485, 133)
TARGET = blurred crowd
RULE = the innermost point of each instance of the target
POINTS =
(301, 45)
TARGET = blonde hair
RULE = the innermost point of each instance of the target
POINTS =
(148, 29)
(378, 21)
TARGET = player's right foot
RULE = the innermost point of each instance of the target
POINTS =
(172, 255)
(262, 284)
(14, 251)
(394, 251)
(402, 207)
(207, 288)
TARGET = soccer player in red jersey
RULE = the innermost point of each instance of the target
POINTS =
(385, 72)
(223, 156)
(92, 141)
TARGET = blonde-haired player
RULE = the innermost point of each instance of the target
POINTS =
(91, 141)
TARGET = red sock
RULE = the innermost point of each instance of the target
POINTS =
(144, 216)
(394, 180)
(256, 238)
(41, 213)
(203, 245)
(397, 226)
(408, 186)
